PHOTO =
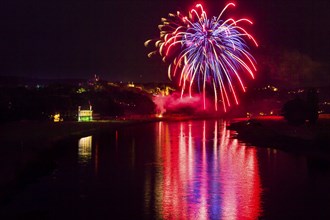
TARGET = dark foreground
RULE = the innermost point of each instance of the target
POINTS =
(27, 149)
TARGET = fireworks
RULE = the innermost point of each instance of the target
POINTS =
(206, 53)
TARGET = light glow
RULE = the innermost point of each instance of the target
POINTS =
(85, 149)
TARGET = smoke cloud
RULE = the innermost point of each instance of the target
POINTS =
(174, 103)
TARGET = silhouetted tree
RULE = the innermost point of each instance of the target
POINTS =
(294, 111)
(312, 106)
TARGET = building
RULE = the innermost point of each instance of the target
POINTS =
(85, 115)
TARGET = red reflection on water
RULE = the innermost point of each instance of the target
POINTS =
(203, 174)
(241, 185)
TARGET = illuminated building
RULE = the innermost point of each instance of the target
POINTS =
(85, 115)
(131, 85)
(57, 117)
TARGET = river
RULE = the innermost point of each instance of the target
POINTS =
(174, 170)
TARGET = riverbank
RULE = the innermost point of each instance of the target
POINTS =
(312, 140)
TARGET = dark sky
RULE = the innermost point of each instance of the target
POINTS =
(67, 39)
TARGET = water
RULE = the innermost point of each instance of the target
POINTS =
(175, 170)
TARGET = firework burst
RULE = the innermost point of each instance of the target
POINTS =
(206, 53)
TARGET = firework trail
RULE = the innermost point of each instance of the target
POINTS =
(205, 53)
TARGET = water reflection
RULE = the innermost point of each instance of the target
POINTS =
(202, 174)
(85, 150)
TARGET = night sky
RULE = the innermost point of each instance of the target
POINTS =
(77, 39)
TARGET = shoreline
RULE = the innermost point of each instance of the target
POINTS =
(312, 141)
